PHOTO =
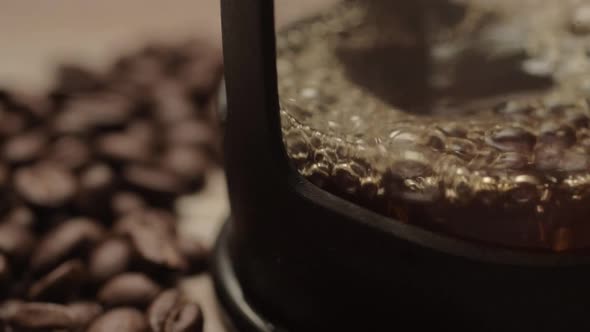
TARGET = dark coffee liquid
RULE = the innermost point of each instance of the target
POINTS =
(465, 117)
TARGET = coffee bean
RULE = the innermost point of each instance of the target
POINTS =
(5, 272)
(186, 318)
(203, 74)
(511, 139)
(127, 202)
(102, 110)
(195, 253)
(171, 103)
(161, 220)
(193, 132)
(83, 313)
(20, 215)
(16, 242)
(70, 152)
(186, 161)
(11, 123)
(123, 147)
(33, 107)
(153, 240)
(143, 130)
(59, 284)
(71, 121)
(24, 148)
(45, 185)
(120, 320)
(162, 307)
(157, 185)
(74, 236)
(142, 71)
(40, 316)
(8, 308)
(129, 289)
(96, 185)
(109, 259)
(74, 79)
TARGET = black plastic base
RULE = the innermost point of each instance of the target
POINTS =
(239, 314)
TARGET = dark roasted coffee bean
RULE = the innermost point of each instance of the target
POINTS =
(45, 185)
(40, 316)
(162, 307)
(203, 74)
(129, 289)
(161, 220)
(20, 215)
(59, 284)
(195, 253)
(74, 236)
(109, 259)
(172, 104)
(24, 148)
(5, 272)
(126, 202)
(140, 71)
(11, 123)
(97, 183)
(124, 147)
(553, 133)
(8, 308)
(16, 242)
(186, 161)
(70, 152)
(102, 110)
(32, 107)
(73, 79)
(120, 320)
(192, 133)
(71, 121)
(512, 139)
(153, 239)
(185, 318)
(143, 130)
(83, 313)
(97, 177)
(158, 186)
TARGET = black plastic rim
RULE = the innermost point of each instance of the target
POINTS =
(240, 315)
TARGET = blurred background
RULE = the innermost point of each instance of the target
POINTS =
(37, 36)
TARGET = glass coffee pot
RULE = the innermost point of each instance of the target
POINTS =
(407, 162)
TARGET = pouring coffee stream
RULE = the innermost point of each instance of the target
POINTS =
(468, 118)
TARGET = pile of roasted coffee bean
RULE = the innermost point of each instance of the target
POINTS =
(89, 173)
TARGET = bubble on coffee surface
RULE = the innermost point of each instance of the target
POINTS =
(486, 137)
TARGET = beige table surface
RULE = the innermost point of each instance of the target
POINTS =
(37, 34)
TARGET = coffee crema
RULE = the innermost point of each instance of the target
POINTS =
(468, 118)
